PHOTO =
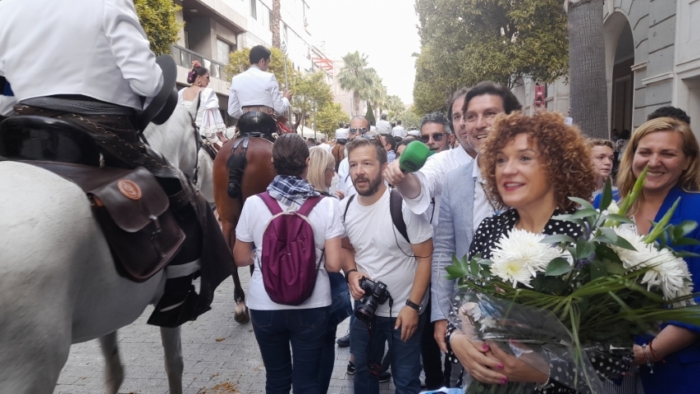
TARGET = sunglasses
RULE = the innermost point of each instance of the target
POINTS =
(437, 137)
(355, 130)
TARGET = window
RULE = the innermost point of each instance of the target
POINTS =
(271, 20)
(253, 9)
(223, 49)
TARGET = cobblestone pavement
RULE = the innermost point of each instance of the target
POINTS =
(221, 357)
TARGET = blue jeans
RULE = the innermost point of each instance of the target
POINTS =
(405, 356)
(306, 330)
(339, 310)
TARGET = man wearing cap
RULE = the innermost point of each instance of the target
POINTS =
(256, 89)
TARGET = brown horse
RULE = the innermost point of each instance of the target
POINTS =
(242, 168)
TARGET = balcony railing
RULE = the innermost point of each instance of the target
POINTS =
(184, 57)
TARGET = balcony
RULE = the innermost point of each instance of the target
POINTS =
(184, 57)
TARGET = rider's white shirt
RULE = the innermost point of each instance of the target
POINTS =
(326, 223)
(255, 87)
(94, 48)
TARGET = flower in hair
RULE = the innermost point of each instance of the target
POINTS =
(196, 64)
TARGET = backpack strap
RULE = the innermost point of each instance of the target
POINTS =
(395, 201)
(271, 203)
(308, 205)
(347, 207)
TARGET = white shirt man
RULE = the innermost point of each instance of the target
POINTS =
(324, 145)
(383, 126)
(375, 249)
(105, 57)
(398, 130)
(256, 87)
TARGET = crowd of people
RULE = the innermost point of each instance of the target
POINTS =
(392, 233)
(379, 235)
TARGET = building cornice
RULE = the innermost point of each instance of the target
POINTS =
(658, 78)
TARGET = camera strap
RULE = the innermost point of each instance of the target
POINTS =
(375, 347)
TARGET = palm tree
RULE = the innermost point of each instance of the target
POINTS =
(375, 92)
(394, 106)
(589, 94)
(275, 24)
(355, 77)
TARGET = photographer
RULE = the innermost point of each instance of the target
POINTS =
(387, 273)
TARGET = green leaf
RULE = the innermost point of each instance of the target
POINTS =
(583, 203)
(605, 252)
(618, 218)
(614, 268)
(688, 226)
(598, 270)
(474, 268)
(615, 239)
(607, 196)
(686, 242)
(455, 272)
(558, 238)
(558, 267)
(584, 213)
(584, 249)
(686, 254)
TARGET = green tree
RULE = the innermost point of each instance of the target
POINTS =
(410, 119)
(239, 62)
(375, 92)
(329, 116)
(464, 42)
(589, 93)
(394, 106)
(159, 20)
(370, 115)
(311, 93)
(355, 77)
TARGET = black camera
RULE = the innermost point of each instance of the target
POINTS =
(376, 294)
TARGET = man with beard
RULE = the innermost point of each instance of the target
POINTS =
(435, 132)
(376, 249)
(359, 126)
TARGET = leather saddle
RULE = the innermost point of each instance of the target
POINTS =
(129, 204)
(257, 124)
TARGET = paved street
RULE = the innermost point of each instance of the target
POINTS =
(221, 357)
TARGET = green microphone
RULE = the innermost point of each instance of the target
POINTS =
(414, 156)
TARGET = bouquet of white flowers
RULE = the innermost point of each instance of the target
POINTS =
(571, 307)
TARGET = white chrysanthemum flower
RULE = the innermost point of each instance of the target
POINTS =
(520, 255)
(612, 209)
(667, 272)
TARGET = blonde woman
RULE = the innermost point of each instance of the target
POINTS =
(671, 151)
(321, 170)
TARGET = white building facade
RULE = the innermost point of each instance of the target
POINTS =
(652, 60)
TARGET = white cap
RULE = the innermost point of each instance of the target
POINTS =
(341, 133)
(414, 133)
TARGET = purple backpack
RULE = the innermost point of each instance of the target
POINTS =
(288, 261)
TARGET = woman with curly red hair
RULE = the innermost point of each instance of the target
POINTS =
(531, 166)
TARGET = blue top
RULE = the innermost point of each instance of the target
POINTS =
(679, 374)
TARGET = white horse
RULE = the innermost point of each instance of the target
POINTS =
(58, 282)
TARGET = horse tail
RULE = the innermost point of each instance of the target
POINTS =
(236, 164)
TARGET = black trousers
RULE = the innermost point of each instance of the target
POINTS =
(431, 353)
